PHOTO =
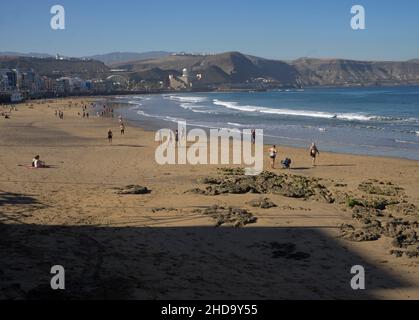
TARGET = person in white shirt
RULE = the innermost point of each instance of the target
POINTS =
(272, 155)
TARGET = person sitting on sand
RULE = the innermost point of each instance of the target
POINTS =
(37, 163)
(313, 153)
(272, 155)
(286, 164)
(110, 134)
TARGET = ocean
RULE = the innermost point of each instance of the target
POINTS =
(367, 121)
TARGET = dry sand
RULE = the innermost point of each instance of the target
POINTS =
(156, 245)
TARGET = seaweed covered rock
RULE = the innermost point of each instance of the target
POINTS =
(394, 227)
(403, 233)
(366, 215)
(404, 208)
(228, 215)
(263, 203)
(232, 171)
(365, 233)
(412, 253)
(377, 203)
(293, 186)
(380, 188)
(405, 239)
(133, 189)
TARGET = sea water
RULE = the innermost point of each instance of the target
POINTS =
(370, 121)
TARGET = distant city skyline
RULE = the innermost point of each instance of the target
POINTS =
(271, 29)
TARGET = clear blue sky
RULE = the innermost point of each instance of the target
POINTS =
(268, 28)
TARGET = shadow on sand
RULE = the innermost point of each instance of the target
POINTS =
(182, 263)
(8, 198)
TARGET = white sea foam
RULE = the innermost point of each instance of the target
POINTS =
(405, 142)
(290, 112)
(188, 99)
(234, 124)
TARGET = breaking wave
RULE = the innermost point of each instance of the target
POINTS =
(308, 113)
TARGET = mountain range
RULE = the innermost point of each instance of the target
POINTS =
(107, 58)
(235, 67)
(228, 68)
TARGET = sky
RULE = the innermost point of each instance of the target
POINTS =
(273, 29)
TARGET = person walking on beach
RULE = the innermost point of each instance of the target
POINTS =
(176, 137)
(272, 155)
(314, 152)
(110, 134)
(159, 137)
(122, 127)
(253, 136)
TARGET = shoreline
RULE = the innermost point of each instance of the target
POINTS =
(155, 124)
(129, 93)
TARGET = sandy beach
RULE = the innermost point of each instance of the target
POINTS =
(166, 244)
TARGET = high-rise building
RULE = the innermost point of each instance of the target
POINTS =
(12, 79)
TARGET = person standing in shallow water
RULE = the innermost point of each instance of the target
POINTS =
(110, 134)
(314, 152)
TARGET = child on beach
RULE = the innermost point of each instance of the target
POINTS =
(110, 134)
(313, 153)
(286, 164)
(272, 155)
(122, 127)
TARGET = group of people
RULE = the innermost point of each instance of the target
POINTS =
(6, 114)
(84, 112)
(286, 163)
(107, 112)
(121, 128)
(59, 114)
(175, 137)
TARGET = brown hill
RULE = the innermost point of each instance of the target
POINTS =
(234, 67)
(54, 68)
(339, 72)
(229, 67)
